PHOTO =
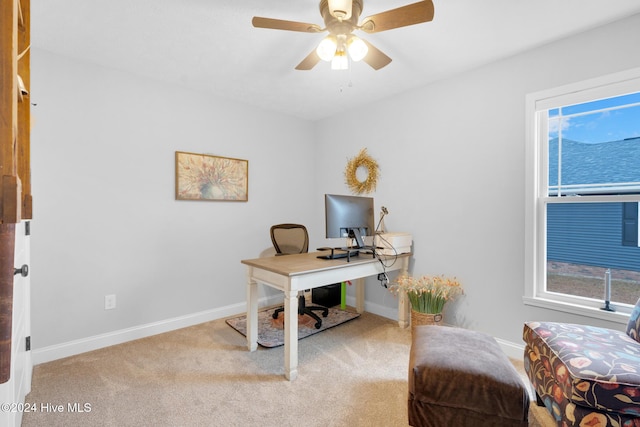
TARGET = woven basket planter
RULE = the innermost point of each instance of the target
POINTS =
(418, 319)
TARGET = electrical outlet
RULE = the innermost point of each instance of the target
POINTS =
(109, 302)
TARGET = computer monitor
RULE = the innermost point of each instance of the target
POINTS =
(349, 216)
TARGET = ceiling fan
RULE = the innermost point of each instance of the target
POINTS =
(340, 20)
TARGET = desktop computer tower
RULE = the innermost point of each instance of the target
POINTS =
(327, 296)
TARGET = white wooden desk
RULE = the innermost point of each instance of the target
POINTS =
(293, 273)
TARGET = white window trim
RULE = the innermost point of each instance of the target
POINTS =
(535, 211)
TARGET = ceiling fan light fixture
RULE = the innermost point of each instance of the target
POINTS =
(340, 9)
(326, 50)
(340, 61)
(341, 18)
(357, 48)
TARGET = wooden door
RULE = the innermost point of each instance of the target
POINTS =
(15, 205)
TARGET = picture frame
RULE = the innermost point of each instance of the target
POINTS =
(211, 178)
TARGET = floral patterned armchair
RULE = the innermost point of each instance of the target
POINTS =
(585, 375)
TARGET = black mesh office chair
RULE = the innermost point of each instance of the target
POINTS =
(293, 239)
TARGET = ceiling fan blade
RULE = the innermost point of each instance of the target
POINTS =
(309, 62)
(411, 14)
(375, 57)
(279, 24)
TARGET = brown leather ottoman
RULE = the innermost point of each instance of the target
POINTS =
(463, 378)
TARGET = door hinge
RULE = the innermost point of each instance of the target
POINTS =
(27, 228)
(27, 343)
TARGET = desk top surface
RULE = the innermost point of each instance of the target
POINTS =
(291, 265)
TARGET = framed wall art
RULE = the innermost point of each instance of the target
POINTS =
(207, 177)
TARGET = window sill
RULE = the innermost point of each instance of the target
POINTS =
(621, 317)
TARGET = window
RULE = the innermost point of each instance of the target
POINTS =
(583, 190)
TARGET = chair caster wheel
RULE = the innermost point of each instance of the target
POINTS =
(325, 313)
(275, 315)
(318, 325)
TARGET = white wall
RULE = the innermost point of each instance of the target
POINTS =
(451, 156)
(452, 170)
(105, 216)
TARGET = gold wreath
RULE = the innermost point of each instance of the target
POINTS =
(367, 162)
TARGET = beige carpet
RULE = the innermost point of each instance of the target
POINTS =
(351, 375)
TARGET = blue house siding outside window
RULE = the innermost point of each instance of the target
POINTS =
(596, 234)
(592, 234)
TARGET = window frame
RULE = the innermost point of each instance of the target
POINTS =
(536, 199)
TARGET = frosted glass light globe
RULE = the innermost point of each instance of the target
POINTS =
(327, 48)
(358, 49)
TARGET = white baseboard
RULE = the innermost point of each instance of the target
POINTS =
(512, 350)
(71, 348)
(380, 310)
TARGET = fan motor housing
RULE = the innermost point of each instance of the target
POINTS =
(337, 26)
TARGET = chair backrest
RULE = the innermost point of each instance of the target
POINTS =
(290, 238)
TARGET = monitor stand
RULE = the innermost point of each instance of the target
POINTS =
(354, 233)
(349, 252)
(339, 253)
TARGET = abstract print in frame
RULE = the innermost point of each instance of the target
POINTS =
(206, 177)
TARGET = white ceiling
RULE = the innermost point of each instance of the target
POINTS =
(211, 46)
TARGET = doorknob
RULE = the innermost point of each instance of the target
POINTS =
(23, 271)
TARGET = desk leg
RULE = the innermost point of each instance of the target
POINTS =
(252, 312)
(403, 299)
(360, 295)
(403, 309)
(291, 335)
